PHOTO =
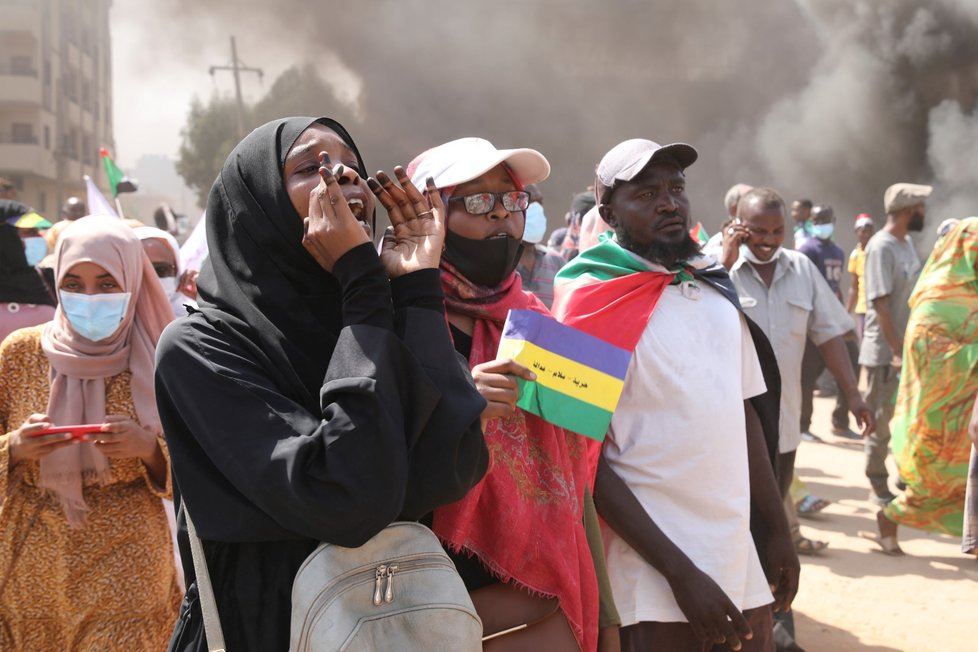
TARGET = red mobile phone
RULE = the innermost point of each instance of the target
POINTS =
(77, 432)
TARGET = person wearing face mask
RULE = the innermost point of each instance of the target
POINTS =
(829, 259)
(85, 556)
(519, 543)
(24, 297)
(784, 293)
(164, 253)
(891, 270)
(538, 264)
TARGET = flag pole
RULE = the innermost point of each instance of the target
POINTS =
(118, 207)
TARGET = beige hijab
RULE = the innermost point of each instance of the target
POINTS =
(80, 366)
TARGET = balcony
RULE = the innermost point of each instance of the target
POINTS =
(26, 158)
(20, 90)
(22, 16)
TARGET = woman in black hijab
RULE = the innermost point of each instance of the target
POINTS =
(24, 298)
(310, 398)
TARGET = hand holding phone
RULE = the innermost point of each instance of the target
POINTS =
(34, 439)
(77, 432)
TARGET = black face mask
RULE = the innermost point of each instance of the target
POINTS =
(483, 262)
(916, 222)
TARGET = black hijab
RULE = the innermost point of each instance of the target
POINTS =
(19, 282)
(259, 284)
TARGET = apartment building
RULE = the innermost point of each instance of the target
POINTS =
(55, 97)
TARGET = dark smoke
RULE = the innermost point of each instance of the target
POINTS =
(830, 99)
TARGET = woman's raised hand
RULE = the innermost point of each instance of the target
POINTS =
(417, 234)
(331, 230)
(26, 444)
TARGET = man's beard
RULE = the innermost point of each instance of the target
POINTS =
(661, 253)
(916, 223)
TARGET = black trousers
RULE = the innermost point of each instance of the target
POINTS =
(812, 366)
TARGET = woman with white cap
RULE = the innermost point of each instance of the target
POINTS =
(518, 537)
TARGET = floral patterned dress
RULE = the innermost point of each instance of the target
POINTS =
(108, 585)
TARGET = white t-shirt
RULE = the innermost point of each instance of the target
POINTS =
(678, 439)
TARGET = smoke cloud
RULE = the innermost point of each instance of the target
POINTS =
(828, 99)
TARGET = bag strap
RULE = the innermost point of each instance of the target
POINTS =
(205, 591)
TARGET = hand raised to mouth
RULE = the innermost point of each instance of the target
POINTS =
(416, 236)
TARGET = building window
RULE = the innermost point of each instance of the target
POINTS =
(22, 67)
(23, 133)
(47, 72)
(47, 137)
(43, 202)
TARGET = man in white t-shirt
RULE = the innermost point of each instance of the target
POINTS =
(685, 460)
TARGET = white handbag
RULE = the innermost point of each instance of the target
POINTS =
(398, 591)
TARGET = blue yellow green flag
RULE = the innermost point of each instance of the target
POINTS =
(579, 377)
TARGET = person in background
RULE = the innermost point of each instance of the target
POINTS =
(314, 365)
(73, 209)
(519, 538)
(723, 245)
(801, 210)
(829, 259)
(969, 540)
(538, 264)
(571, 244)
(164, 253)
(938, 384)
(892, 267)
(165, 219)
(784, 293)
(84, 543)
(945, 227)
(856, 302)
(7, 189)
(558, 234)
(685, 570)
(24, 297)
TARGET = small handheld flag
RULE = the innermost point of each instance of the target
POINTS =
(579, 377)
(118, 181)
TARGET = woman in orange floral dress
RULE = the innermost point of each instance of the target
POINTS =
(86, 561)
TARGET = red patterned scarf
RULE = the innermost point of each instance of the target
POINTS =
(524, 520)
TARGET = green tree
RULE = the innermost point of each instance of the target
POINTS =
(208, 137)
(210, 132)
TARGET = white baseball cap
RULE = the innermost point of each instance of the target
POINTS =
(626, 159)
(465, 159)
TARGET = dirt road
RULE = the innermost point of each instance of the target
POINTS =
(853, 598)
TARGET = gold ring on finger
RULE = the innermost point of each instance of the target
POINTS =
(427, 212)
(333, 199)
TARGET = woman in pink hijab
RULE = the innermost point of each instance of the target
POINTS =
(86, 561)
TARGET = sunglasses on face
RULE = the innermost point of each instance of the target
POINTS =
(163, 270)
(480, 203)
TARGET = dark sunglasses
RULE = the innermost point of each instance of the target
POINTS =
(164, 270)
(480, 203)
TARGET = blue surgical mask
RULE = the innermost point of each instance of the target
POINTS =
(35, 249)
(823, 231)
(536, 223)
(95, 316)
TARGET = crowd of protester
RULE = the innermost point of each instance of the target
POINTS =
(319, 381)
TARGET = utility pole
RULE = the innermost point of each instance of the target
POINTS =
(237, 67)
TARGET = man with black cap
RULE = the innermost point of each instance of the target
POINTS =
(687, 461)
(891, 271)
